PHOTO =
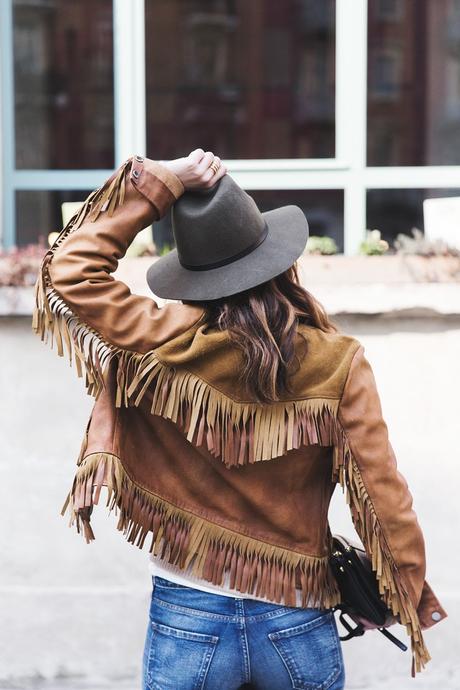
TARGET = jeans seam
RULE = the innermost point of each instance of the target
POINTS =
(244, 640)
(206, 665)
(186, 610)
(275, 613)
(180, 634)
(303, 627)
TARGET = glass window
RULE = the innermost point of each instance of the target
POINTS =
(39, 213)
(244, 79)
(414, 82)
(394, 211)
(323, 209)
(389, 9)
(63, 73)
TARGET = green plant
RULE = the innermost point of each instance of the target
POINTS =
(321, 245)
(141, 249)
(373, 244)
(165, 249)
(142, 245)
(420, 245)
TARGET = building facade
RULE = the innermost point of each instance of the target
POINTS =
(347, 108)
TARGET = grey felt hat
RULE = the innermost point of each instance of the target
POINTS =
(225, 244)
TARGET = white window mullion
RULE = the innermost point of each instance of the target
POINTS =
(351, 107)
(7, 138)
(408, 177)
(290, 179)
(59, 179)
(130, 86)
(129, 73)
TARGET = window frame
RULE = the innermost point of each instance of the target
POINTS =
(347, 171)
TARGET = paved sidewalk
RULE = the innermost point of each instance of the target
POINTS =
(72, 684)
(450, 682)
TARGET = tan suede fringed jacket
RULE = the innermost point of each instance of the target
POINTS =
(226, 484)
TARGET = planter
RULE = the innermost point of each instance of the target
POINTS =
(390, 270)
(394, 285)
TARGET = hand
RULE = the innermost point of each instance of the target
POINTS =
(194, 170)
(368, 625)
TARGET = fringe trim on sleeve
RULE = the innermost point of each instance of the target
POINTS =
(52, 319)
(238, 432)
(391, 585)
(255, 566)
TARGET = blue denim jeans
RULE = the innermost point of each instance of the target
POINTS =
(202, 641)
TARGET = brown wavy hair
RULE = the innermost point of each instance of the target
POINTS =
(262, 322)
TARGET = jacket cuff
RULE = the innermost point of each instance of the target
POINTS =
(156, 183)
(429, 609)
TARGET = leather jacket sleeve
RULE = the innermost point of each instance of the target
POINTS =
(80, 267)
(389, 499)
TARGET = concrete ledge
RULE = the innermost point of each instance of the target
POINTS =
(390, 270)
(414, 300)
(393, 285)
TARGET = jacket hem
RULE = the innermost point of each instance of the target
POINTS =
(211, 550)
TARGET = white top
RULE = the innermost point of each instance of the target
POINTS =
(162, 568)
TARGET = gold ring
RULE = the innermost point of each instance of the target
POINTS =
(215, 166)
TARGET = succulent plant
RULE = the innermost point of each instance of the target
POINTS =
(422, 246)
(321, 245)
(373, 244)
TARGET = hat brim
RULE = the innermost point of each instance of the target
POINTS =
(285, 241)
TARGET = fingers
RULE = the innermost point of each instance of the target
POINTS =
(205, 162)
(221, 171)
(196, 156)
(204, 169)
(214, 173)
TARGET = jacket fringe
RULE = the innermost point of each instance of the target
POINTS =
(237, 432)
(391, 585)
(188, 539)
(252, 563)
(52, 319)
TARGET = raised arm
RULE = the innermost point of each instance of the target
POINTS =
(382, 508)
(79, 304)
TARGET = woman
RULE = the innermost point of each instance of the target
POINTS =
(221, 426)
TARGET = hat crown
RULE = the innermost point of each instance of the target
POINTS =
(215, 226)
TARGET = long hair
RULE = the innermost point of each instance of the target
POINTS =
(262, 322)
